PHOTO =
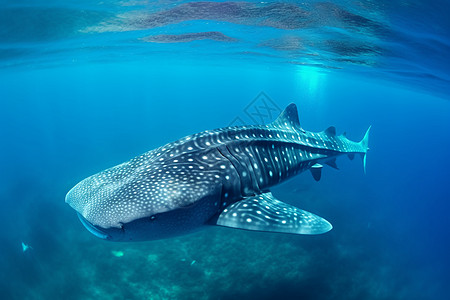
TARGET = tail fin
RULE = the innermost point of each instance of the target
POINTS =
(365, 145)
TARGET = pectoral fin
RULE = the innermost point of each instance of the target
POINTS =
(316, 171)
(265, 213)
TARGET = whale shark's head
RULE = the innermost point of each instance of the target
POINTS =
(139, 200)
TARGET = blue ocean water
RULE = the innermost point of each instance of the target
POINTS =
(86, 85)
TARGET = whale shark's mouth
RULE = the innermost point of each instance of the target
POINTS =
(93, 229)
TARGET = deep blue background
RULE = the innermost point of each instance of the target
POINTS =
(61, 125)
(83, 87)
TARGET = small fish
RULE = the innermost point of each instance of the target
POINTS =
(117, 253)
(25, 247)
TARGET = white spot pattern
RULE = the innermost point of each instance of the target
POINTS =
(269, 214)
(180, 173)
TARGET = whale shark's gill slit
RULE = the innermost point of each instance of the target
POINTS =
(226, 152)
(218, 149)
(252, 178)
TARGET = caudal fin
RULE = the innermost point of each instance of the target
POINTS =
(365, 145)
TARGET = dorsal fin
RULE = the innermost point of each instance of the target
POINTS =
(288, 118)
(331, 131)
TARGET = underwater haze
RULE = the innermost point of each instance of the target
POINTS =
(87, 85)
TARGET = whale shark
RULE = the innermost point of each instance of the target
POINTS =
(216, 177)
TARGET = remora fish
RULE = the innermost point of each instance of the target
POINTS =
(218, 177)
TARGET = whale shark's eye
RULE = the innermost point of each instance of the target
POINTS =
(152, 218)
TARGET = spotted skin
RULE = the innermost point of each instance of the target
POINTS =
(208, 177)
(264, 211)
